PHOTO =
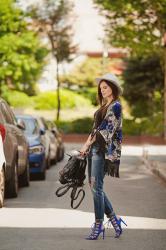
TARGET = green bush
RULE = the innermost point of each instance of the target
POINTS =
(153, 125)
(80, 126)
(130, 127)
(83, 125)
(89, 93)
(146, 126)
(17, 99)
(69, 99)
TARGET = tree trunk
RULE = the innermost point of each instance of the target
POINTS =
(58, 91)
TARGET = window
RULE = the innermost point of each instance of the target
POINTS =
(31, 126)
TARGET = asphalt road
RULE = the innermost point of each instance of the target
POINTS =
(38, 220)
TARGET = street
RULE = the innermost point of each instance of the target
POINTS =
(38, 220)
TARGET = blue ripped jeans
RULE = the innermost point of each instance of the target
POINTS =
(102, 204)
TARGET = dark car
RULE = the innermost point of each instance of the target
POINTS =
(53, 141)
(16, 151)
(54, 129)
(37, 140)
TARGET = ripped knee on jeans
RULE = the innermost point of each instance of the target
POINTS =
(92, 183)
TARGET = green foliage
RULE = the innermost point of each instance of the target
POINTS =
(140, 27)
(21, 54)
(80, 126)
(17, 99)
(137, 25)
(88, 92)
(83, 74)
(91, 94)
(153, 125)
(143, 86)
(146, 126)
(46, 100)
(69, 99)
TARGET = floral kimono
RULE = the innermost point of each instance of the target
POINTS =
(111, 130)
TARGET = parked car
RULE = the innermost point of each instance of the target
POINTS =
(61, 149)
(53, 141)
(16, 151)
(2, 166)
(38, 145)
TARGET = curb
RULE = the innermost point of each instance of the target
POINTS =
(154, 166)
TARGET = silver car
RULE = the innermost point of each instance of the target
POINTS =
(16, 151)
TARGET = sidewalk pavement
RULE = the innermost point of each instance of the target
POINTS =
(154, 157)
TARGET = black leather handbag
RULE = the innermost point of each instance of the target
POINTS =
(72, 176)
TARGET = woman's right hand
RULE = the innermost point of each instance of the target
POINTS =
(84, 149)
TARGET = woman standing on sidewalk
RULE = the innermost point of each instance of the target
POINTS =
(105, 144)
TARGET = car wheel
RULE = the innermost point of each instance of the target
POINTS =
(62, 154)
(48, 164)
(24, 179)
(2, 187)
(55, 160)
(59, 154)
(12, 185)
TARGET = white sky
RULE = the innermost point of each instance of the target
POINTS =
(87, 24)
(88, 27)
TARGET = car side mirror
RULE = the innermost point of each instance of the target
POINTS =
(42, 131)
(21, 124)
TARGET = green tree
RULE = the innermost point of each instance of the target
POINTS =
(140, 26)
(83, 73)
(143, 86)
(53, 19)
(21, 53)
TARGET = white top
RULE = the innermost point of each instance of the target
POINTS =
(2, 156)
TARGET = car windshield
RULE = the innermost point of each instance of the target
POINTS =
(31, 126)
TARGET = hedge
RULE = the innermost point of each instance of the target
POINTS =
(146, 126)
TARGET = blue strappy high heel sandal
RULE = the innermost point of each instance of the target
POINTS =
(116, 223)
(97, 229)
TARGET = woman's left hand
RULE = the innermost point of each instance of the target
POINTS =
(83, 151)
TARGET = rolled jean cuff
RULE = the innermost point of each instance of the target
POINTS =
(110, 214)
(99, 220)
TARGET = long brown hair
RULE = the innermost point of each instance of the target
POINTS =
(115, 92)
